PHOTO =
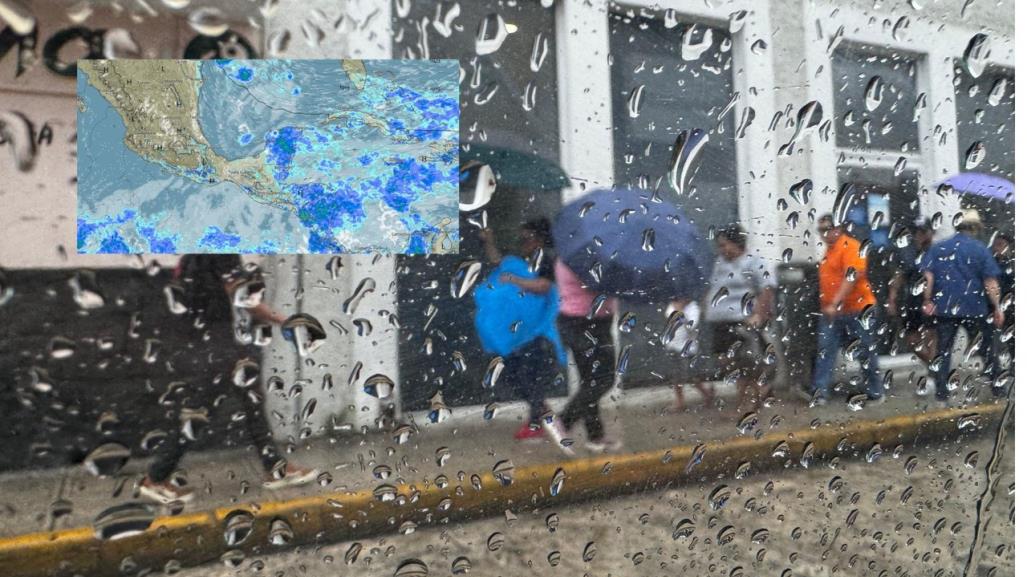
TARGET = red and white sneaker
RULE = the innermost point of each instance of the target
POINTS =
(164, 492)
(290, 476)
(529, 431)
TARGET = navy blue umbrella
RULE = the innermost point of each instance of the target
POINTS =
(621, 242)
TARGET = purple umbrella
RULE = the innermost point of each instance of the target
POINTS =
(984, 185)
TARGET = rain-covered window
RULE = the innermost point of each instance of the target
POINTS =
(876, 105)
(510, 137)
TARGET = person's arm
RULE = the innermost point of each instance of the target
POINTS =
(898, 282)
(763, 307)
(928, 306)
(262, 312)
(533, 285)
(994, 292)
(491, 250)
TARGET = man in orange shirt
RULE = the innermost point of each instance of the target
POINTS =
(847, 311)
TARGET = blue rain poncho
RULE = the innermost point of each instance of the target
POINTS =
(508, 318)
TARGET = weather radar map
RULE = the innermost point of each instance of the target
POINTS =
(268, 156)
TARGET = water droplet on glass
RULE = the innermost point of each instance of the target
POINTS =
(589, 553)
(685, 158)
(974, 155)
(695, 40)
(238, 527)
(492, 31)
(683, 529)
(461, 566)
(107, 459)
(976, 55)
(635, 101)
(306, 333)
(379, 386)
(495, 541)
(556, 484)
(411, 568)
(492, 372)
(503, 471)
(366, 286)
(208, 21)
(124, 520)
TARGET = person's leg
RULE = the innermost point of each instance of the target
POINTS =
(572, 333)
(868, 343)
(828, 342)
(258, 430)
(946, 330)
(170, 450)
(988, 350)
(601, 377)
(535, 372)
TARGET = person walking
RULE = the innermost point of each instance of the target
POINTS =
(904, 296)
(962, 279)
(1002, 249)
(587, 333)
(743, 287)
(531, 353)
(221, 367)
(847, 310)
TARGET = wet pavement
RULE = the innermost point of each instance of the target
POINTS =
(912, 512)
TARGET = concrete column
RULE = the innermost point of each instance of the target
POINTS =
(333, 29)
(586, 121)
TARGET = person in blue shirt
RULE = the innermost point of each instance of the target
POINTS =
(961, 278)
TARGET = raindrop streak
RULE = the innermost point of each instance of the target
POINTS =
(492, 31)
(492, 372)
(556, 484)
(366, 285)
(685, 158)
(635, 101)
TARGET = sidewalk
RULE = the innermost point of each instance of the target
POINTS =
(423, 454)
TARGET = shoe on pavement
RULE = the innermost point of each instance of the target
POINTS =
(558, 434)
(529, 431)
(164, 492)
(604, 445)
(290, 476)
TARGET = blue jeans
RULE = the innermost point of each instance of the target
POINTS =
(947, 328)
(830, 333)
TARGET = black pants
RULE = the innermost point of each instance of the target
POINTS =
(207, 370)
(592, 345)
(531, 372)
(947, 328)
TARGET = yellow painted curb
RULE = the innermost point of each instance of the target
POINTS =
(196, 538)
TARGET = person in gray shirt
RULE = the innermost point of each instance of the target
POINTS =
(741, 301)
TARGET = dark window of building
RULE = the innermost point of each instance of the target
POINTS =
(875, 99)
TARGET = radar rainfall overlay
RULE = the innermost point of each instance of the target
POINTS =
(268, 156)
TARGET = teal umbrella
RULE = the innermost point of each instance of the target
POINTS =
(513, 168)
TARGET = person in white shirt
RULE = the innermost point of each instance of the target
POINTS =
(740, 303)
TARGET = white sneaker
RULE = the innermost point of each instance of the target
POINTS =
(604, 445)
(165, 492)
(558, 434)
(291, 476)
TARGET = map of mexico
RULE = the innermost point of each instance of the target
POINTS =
(273, 156)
